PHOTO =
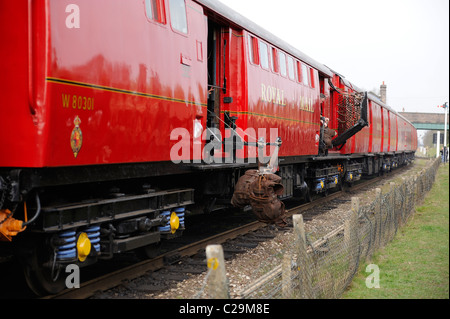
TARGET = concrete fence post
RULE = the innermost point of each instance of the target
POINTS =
(393, 216)
(217, 279)
(303, 263)
(351, 235)
(286, 275)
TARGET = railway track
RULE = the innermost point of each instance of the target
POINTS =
(134, 271)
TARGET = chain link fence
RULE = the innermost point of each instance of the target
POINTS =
(324, 268)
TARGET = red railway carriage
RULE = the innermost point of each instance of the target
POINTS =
(85, 66)
(119, 118)
(344, 114)
(378, 132)
(392, 136)
(283, 94)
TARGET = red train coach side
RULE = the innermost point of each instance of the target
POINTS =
(389, 134)
(374, 142)
(91, 72)
(99, 91)
(376, 128)
(393, 132)
(344, 113)
(403, 135)
(283, 95)
(278, 88)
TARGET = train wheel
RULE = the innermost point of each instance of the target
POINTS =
(41, 279)
(150, 251)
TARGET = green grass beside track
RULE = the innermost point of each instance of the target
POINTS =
(415, 265)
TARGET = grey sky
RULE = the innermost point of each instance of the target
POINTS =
(402, 42)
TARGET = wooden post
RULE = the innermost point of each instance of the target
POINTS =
(351, 222)
(411, 195)
(416, 193)
(217, 280)
(302, 257)
(393, 216)
(404, 212)
(286, 275)
(419, 187)
(350, 236)
(378, 218)
(355, 204)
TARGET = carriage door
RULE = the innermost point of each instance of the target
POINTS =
(217, 86)
(214, 83)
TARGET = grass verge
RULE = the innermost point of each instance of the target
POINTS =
(415, 265)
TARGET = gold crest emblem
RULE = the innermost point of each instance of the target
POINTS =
(76, 138)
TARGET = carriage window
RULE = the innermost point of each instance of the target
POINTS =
(291, 68)
(155, 10)
(305, 78)
(282, 59)
(264, 54)
(178, 15)
(253, 49)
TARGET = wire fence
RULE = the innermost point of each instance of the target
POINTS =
(324, 268)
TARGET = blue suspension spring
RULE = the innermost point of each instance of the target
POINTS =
(166, 216)
(93, 234)
(180, 213)
(67, 247)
